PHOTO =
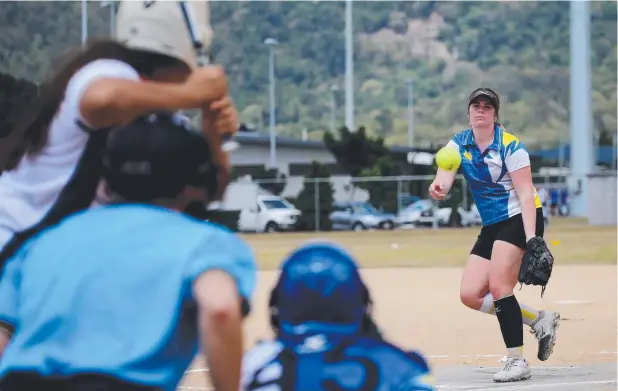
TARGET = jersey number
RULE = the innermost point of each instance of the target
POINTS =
(337, 377)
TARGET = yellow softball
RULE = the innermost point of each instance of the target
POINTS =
(448, 159)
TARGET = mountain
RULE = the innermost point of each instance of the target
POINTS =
(520, 49)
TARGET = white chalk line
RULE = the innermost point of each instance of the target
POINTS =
(470, 387)
(538, 369)
(573, 302)
(435, 356)
(522, 386)
(483, 387)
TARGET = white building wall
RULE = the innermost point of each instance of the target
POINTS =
(259, 154)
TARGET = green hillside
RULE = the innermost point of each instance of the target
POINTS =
(521, 49)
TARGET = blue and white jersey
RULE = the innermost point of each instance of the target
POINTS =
(488, 173)
(357, 363)
(109, 291)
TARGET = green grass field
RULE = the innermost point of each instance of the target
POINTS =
(572, 241)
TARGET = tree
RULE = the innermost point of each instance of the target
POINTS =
(274, 181)
(355, 151)
(306, 200)
(523, 54)
(382, 194)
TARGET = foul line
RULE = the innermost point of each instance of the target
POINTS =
(435, 356)
(519, 386)
(482, 387)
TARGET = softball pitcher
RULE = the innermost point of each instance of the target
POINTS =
(497, 167)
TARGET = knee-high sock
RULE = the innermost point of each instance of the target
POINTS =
(509, 317)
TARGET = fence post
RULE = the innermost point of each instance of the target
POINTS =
(399, 194)
(316, 201)
(464, 186)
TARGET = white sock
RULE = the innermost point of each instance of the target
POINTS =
(488, 305)
(515, 352)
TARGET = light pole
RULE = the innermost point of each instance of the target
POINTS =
(333, 106)
(410, 85)
(271, 43)
(84, 21)
(582, 149)
(349, 68)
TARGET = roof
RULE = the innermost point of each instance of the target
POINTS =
(254, 138)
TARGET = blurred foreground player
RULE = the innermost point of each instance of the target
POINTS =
(119, 297)
(325, 336)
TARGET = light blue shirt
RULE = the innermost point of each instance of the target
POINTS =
(488, 173)
(109, 291)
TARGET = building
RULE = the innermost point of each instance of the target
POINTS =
(293, 159)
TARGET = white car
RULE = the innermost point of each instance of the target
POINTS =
(422, 213)
(471, 217)
(270, 214)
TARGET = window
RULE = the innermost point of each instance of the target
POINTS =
(275, 204)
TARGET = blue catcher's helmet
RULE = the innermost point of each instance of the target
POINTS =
(319, 284)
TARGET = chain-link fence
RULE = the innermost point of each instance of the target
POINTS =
(345, 203)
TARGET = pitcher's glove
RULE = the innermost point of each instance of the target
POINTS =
(537, 264)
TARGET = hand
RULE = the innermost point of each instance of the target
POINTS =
(225, 114)
(436, 190)
(217, 122)
(207, 84)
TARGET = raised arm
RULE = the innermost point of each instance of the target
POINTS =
(112, 101)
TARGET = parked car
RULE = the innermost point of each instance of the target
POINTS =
(471, 217)
(270, 213)
(421, 213)
(406, 199)
(359, 216)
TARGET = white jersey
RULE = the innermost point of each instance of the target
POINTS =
(41, 183)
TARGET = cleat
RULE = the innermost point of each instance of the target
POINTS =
(544, 329)
(515, 369)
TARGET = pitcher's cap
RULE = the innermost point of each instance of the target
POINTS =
(487, 94)
(160, 27)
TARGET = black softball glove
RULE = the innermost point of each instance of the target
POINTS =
(537, 264)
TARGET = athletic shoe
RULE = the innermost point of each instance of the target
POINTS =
(544, 329)
(515, 369)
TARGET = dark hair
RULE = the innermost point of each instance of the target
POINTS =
(33, 129)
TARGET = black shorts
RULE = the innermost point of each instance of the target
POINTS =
(510, 231)
(27, 381)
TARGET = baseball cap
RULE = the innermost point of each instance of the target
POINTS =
(160, 27)
(485, 93)
(157, 156)
(320, 282)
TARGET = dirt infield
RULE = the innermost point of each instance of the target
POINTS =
(419, 308)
